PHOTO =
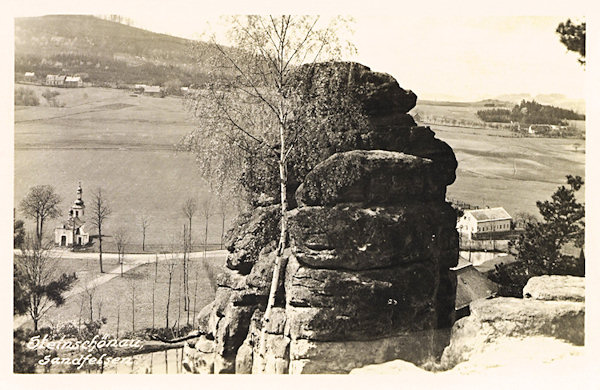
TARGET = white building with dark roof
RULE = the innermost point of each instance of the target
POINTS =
(486, 220)
(73, 230)
(55, 80)
(73, 82)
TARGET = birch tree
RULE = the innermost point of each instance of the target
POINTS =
(245, 114)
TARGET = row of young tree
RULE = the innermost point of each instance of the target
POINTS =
(38, 286)
(34, 265)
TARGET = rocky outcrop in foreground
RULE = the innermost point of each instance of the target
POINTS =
(545, 332)
(366, 276)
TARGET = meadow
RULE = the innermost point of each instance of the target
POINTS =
(125, 144)
(495, 169)
(114, 299)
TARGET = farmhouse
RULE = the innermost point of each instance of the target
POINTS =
(29, 76)
(73, 82)
(55, 80)
(152, 90)
(73, 230)
(547, 129)
(484, 221)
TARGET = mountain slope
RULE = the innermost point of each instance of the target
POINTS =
(104, 51)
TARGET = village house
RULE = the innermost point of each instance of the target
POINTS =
(139, 88)
(55, 80)
(73, 82)
(73, 230)
(152, 90)
(29, 77)
(486, 220)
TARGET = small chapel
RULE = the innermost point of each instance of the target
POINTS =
(72, 231)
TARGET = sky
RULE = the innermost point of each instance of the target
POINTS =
(452, 57)
(439, 55)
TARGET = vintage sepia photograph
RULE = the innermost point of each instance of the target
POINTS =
(336, 193)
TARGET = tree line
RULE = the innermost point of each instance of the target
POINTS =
(530, 112)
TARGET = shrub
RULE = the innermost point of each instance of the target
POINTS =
(26, 97)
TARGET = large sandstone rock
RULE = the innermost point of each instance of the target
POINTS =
(355, 238)
(491, 319)
(347, 107)
(333, 305)
(555, 288)
(250, 233)
(331, 357)
(370, 178)
(535, 359)
(366, 277)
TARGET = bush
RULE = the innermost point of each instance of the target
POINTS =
(26, 97)
(50, 95)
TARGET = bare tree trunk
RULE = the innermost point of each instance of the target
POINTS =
(37, 227)
(41, 232)
(100, 310)
(133, 307)
(222, 228)
(118, 318)
(205, 234)
(91, 298)
(166, 362)
(195, 296)
(80, 313)
(169, 297)
(154, 287)
(178, 307)
(100, 245)
(186, 243)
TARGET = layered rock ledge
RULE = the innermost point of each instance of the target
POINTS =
(371, 239)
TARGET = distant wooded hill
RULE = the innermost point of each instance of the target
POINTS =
(102, 51)
(530, 112)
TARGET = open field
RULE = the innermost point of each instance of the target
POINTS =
(465, 114)
(107, 138)
(114, 298)
(458, 111)
(121, 143)
(496, 170)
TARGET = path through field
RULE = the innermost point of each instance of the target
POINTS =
(133, 261)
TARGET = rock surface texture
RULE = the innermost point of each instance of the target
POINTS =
(543, 334)
(365, 277)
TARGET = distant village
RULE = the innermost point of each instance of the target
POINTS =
(77, 81)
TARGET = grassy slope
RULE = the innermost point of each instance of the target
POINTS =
(127, 151)
(496, 170)
(107, 52)
(51, 34)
